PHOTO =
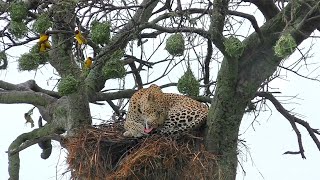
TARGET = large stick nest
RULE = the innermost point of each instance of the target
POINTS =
(101, 152)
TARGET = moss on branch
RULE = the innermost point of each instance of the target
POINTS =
(23, 141)
(30, 97)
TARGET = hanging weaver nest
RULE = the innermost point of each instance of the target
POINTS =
(102, 152)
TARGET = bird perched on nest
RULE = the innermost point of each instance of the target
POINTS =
(43, 37)
(88, 63)
(43, 42)
(79, 37)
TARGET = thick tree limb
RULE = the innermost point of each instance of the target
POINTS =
(28, 97)
(28, 85)
(217, 19)
(267, 7)
(257, 63)
(30, 93)
(29, 143)
(293, 120)
(17, 87)
(61, 57)
(259, 60)
(45, 145)
(25, 93)
(18, 144)
(34, 86)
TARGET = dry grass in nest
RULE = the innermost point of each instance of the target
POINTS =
(103, 153)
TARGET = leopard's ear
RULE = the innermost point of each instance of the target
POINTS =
(151, 98)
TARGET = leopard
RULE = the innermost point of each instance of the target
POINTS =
(168, 113)
(144, 112)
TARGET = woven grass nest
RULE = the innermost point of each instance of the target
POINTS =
(102, 152)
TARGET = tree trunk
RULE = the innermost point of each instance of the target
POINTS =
(238, 81)
(225, 114)
(74, 110)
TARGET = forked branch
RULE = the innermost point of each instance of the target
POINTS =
(27, 86)
(293, 120)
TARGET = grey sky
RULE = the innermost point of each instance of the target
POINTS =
(272, 136)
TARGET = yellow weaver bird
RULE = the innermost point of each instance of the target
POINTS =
(88, 63)
(79, 37)
(43, 38)
(44, 46)
(43, 42)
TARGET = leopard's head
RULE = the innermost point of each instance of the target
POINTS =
(152, 111)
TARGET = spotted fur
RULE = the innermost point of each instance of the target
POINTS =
(170, 113)
(144, 110)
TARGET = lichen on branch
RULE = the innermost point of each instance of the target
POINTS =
(13, 152)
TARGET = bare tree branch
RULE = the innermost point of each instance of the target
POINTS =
(206, 71)
(135, 71)
(151, 35)
(251, 18)
(199, 31)
(113, 95)
(293, 120)
(119, 41)
(295, 72)
(114, 107)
